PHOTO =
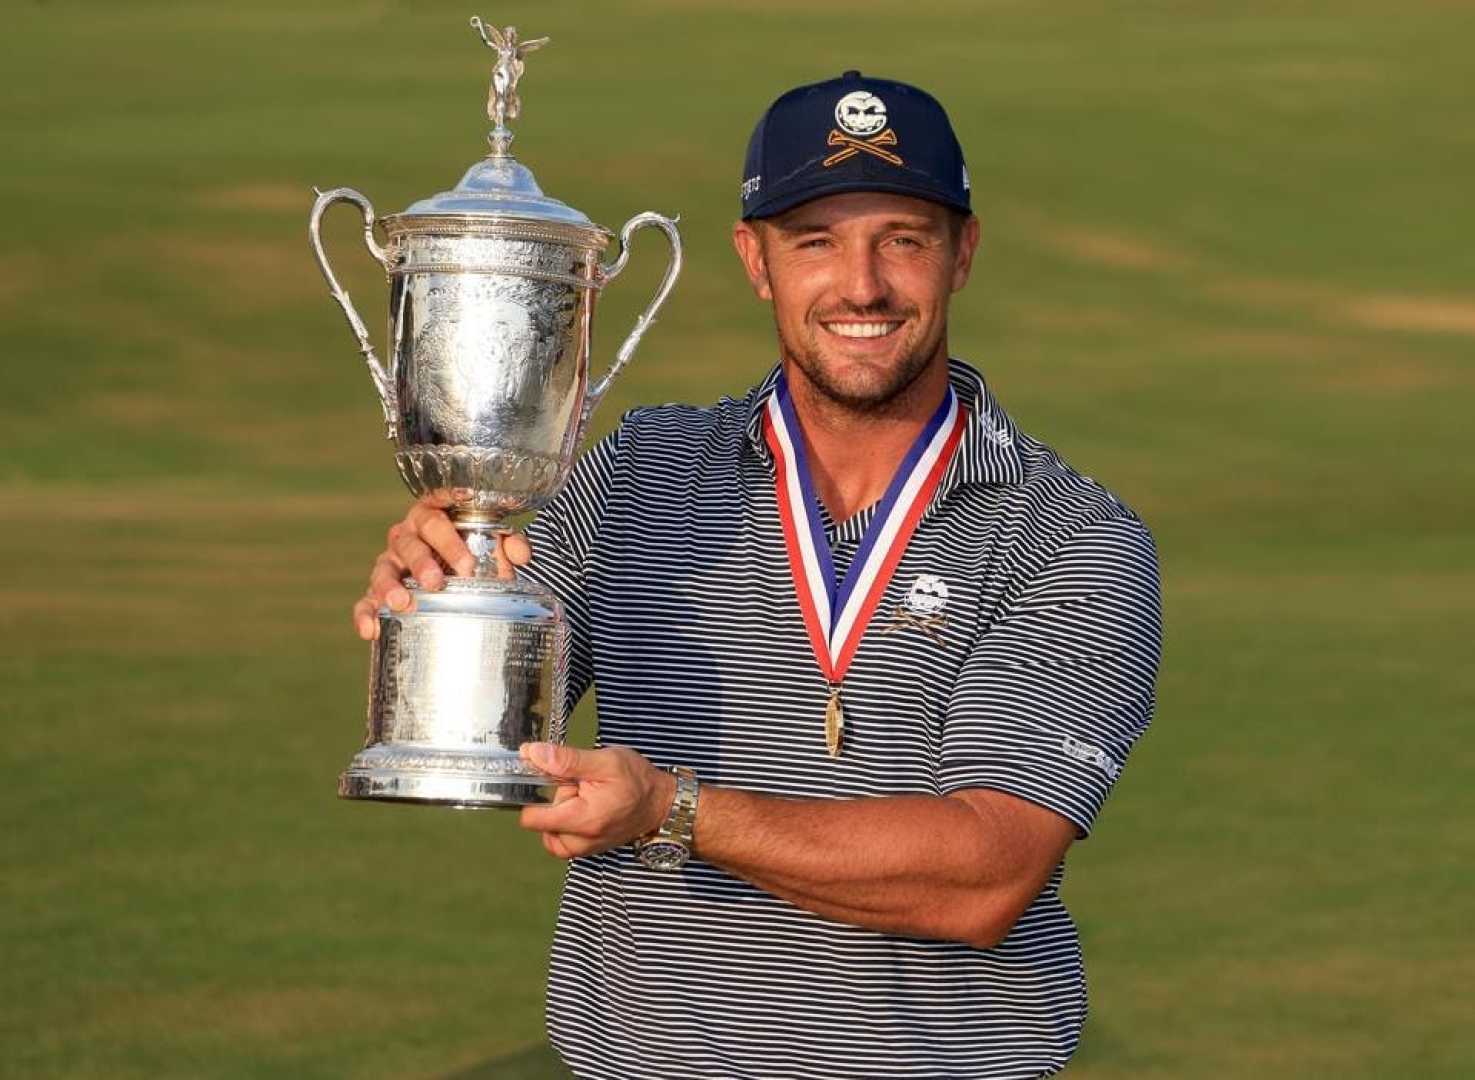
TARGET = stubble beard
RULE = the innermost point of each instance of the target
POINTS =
(871, 397)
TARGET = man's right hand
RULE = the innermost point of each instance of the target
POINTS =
(425, 546)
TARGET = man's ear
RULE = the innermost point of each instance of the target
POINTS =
(749, 247)
(968, 237)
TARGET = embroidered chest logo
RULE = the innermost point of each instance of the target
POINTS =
(862, 129)
(922, 608)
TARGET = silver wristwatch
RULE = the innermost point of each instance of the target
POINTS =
(670, 846)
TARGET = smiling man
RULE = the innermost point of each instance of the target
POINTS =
(869, 659)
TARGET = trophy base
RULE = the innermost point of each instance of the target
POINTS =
(456, 792)
(439, 777)
(456, 686)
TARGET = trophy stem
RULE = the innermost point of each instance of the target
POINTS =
(482, 532)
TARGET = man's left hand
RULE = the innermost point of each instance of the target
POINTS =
(605, 798)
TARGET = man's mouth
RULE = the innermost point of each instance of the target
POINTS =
(868, 329)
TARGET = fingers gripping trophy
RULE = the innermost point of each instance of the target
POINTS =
(487, 395)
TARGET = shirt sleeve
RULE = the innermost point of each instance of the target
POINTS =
(1060, 687)
(562, 538)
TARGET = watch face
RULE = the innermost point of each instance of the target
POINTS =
(663, 854)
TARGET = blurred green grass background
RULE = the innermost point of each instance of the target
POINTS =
(1227, 270)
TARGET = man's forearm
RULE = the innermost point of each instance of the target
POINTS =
(957, 868)
(922, 866)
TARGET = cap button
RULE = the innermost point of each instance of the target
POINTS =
(851, 74)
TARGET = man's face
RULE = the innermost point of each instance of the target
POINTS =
(860, 284)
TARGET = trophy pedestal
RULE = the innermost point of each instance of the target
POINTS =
(426, 774)
(455, 687)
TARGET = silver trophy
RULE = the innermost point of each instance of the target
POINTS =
(487, 397)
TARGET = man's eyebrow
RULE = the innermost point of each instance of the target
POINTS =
(810, 225)
(800, 225)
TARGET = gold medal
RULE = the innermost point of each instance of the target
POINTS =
(834, 722)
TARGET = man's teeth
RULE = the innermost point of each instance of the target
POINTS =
(861, 329)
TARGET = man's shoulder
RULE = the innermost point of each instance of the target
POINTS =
(1049, 478)
(676, 426)
(1047, 494)
(679, 418)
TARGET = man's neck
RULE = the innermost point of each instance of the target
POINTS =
(853, 455)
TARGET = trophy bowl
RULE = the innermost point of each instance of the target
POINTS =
(487, 397)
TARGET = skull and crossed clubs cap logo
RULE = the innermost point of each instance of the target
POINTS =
(861, 112)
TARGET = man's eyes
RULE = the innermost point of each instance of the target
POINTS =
(890, 241)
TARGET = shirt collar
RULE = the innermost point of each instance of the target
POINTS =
(988, 454)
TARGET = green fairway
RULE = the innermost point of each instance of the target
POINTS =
(1227, 270)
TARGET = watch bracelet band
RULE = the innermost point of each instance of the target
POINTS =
(681, 819)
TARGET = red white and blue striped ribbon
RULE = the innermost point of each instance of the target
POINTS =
(836, 614)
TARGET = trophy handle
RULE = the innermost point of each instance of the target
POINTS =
(649, 219)
(382, 382)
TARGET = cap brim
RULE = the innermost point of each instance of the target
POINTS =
(789, 200)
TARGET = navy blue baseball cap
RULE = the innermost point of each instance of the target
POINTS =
(852, 134)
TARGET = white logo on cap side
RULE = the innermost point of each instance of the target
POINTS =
(860, 112)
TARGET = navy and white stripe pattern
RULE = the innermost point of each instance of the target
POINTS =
(1035, 679)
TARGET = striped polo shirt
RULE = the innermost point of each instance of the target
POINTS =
(1015, 649)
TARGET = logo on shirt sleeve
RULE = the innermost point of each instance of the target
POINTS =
(922, 608)
(1074, 748)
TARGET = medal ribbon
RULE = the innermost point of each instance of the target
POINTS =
(836, 615)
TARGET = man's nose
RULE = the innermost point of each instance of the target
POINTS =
(864, 284)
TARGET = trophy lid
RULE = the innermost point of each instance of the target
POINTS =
(499, 184)
(502, 186)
